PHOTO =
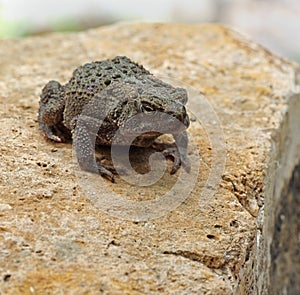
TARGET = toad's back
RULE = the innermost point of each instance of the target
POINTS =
(92, 78)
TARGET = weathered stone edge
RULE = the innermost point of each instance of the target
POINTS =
(261, 272)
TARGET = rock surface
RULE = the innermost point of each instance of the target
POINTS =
(220, 240)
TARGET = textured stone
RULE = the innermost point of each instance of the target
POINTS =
(54, 240)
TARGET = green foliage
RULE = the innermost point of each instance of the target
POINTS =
(17, 29)
(9, 29)
(65, 25)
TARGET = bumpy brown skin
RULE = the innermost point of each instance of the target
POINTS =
(113, 92)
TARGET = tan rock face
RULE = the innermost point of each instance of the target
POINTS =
(56, 238)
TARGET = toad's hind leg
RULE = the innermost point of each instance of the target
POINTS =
(51, 110)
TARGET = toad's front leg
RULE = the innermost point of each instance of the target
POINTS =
(84, 143)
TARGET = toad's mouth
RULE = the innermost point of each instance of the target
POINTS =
(153, 130)
(152, 125)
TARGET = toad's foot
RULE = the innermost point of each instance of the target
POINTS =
(57, 133)
(171, 151)
(107, 172)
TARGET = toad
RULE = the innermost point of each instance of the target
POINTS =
(115, 91)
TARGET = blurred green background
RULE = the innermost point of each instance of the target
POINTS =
(273, 23)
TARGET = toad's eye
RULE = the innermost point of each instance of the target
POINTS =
(147, 109)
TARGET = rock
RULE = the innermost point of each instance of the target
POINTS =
(228, 235)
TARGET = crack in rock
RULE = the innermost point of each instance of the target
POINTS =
(208, 260)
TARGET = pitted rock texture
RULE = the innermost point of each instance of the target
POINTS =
(53, 240)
